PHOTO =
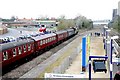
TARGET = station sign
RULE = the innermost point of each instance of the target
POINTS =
(54, 75)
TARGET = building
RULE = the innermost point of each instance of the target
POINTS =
(3, 29)
(114, 15)
(47, 23)
(22, 23)
(119, 8)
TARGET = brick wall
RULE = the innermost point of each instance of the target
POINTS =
(3, 29)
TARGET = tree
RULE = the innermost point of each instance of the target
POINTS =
(62, 17)
(116, 23)
(65, 23)
(83, 22)
(13, 18)
(119, 24)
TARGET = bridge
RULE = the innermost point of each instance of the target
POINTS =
(101, 22)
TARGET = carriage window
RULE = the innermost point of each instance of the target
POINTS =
(29, 47)
(24, 48)
(62, 35)
(5, 55)
(19, 50)
(46, 40)
(59, 36)
(50, 39)
(54, 38)
(14, 52)
(32, 45)
(41, 42)
(38, 43)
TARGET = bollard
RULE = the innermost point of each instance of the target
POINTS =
(59, 69)
(66, 63)
(69, 59)
(62, 67)
(108, 50)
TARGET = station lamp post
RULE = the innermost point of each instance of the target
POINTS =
(106, 40)
(104, 35)
(105, 28)
(111, 49)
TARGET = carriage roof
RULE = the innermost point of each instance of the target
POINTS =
(69, 29)
(9, 45)
(43, 36)
(60, 32)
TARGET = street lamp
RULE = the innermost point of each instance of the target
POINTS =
(106, 40)
(111, 46)
(104, 35)
(105, 28)
(107, 33)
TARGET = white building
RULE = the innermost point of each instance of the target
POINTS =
(114, 15)
(48, 23)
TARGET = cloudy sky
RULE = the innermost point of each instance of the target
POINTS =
(92, 9)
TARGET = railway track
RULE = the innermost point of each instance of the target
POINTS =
(23, 68)
(114, 33)
(117, 41)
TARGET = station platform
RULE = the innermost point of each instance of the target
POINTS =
(52, 64)
(96, 49)
(68, 60)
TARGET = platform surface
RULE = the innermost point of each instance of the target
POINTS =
(96, 49)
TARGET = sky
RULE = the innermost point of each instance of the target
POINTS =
(92, 9)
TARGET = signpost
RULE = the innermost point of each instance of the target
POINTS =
(85, 51)
(84, 54)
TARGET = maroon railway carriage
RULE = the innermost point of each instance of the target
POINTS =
(61, 35)
(13, 51)
(44, 41)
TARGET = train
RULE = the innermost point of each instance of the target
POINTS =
(13, 51)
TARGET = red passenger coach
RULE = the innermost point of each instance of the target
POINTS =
(61, 35)
(43, 41)
(14, 51)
